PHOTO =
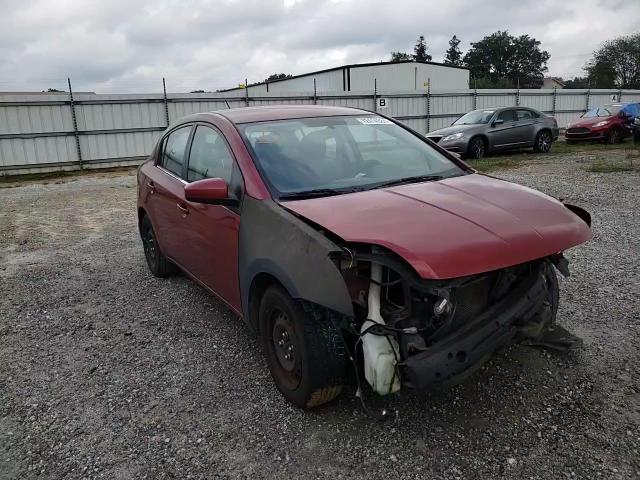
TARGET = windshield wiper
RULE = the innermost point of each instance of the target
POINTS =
(404, 180)
(320, 192)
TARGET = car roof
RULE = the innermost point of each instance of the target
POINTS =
(278, 112)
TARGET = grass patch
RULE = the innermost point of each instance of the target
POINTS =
(607, 166)
(497, 163)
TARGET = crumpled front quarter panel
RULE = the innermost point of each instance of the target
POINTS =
(276, 242)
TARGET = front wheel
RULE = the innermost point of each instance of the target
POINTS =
(477, 149)
(614, 136)
(305, 350)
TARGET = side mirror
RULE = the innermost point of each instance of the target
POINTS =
(498, 121)
(212, 191)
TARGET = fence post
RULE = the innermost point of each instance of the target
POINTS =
(428, 104)
(75, 123)
(246, 93)
(553, 105)
(166, 101)
(375, 94)
(586, 100)
(315, 92)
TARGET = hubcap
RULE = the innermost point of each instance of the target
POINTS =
(284, 342)
(149, 244)
(544, 143)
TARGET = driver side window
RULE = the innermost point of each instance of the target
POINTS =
(210, 156)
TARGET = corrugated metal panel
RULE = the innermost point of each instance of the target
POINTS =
(112, 116)
(117, 145)
(35, 119)
(37, 151)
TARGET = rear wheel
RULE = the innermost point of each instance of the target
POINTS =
(477, 148)
(543, 142)
(305, 351)
(159, 265)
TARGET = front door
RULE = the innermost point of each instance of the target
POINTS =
(210, 252)
(165, 187)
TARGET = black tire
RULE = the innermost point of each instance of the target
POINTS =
(477, 148)
(317, 365)
(159, 265)
(614, 136)
(543, 142)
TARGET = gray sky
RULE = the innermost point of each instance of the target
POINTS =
(129, 45)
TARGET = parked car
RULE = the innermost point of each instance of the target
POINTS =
(609, 123)
(345, 239)
(481, 132)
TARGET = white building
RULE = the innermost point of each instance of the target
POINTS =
(385, 76)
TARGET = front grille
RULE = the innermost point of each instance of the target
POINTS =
(578, 130)
(435, 139)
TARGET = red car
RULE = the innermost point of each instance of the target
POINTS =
(346, 241)
(609, 123)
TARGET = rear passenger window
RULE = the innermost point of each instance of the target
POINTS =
(174, 150)
(507, 116)
(524, 115)
(210, 157)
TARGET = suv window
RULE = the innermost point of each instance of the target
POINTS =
(524, 114)
(507, 116)
(174, 150)
(210, 157)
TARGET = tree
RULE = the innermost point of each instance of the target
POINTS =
(501, 56)
(453, 56)
(401, 57)
(420, 51)
(277, 76)
(577, 82)
(616, 63)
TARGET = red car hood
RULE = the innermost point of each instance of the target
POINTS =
(454, 227)
(587, 122)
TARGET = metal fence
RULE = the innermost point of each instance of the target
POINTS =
(40, 133)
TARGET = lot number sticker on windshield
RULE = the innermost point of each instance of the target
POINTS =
(374, 121)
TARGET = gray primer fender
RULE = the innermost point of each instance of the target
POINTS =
(274, 241)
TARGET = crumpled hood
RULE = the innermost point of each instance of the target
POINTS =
(451, 130)
(454, 227)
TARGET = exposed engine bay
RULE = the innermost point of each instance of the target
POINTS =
(418, 333)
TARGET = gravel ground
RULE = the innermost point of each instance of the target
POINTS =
(107, 372)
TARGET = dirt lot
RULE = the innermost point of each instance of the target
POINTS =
(107, 372)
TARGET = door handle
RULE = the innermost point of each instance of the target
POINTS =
(184, 210)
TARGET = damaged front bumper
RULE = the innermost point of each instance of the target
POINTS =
(452, 357)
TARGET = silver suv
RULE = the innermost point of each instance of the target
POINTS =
(480, 132)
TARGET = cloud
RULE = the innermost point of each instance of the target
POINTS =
(126, 46)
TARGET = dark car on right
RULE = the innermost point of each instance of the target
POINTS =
(609, 123)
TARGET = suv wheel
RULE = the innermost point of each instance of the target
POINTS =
(159, 265)
(477, 148)
(543, 142)
(305, 351)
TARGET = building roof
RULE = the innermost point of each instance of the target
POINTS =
(351, 65)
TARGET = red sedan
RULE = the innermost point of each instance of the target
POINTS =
(348, 241)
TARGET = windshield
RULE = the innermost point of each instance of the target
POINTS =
(330, 155)
(475, 117)
(605, 111)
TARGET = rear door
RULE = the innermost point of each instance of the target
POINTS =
(165, 185)
(210, 249)
(526, 126)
